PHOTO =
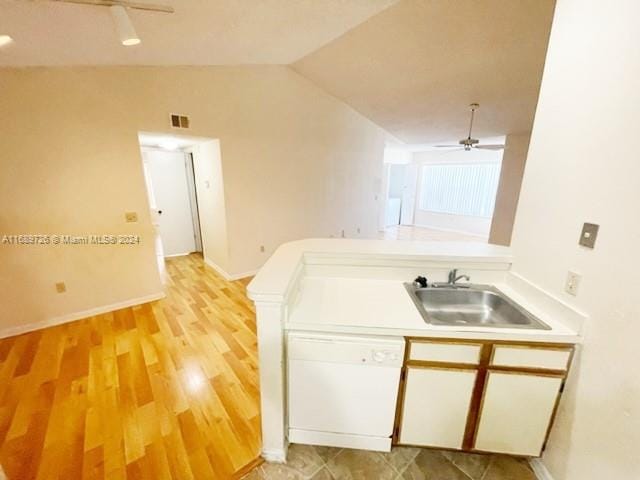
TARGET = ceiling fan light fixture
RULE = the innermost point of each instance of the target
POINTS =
(124, 27)
(470, 143)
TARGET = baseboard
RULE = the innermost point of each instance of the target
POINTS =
(275, 456)
(246, 469)
(226, 275)
(50, 322)
(540, 469)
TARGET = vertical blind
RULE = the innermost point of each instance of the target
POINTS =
(460, 189)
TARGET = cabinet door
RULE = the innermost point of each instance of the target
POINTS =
(516, 411)
(435, 406)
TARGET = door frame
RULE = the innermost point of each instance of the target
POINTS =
(193, 200)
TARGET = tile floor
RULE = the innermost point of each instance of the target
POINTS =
(402, 463)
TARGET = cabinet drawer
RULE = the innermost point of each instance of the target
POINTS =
(428, 351)
(531, 357)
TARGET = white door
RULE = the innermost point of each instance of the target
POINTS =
(516, 412)
(436, 405)
(170, 191)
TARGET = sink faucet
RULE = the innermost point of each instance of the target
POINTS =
(454, 277)
(421, 282)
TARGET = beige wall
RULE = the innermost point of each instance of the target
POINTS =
(296, 163)
(583, 165)
(504, 213)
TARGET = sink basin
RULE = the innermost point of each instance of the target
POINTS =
(472, 306)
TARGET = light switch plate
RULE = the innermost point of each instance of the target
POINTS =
(131, 217)
(573, 282)
(589, 235)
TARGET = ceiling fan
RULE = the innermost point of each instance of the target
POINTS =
(472, 143)
(121, 20)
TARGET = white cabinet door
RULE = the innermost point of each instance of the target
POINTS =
(516, 411)
(435, 406)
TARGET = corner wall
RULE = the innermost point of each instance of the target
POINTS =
(583, 166)
(511, 172)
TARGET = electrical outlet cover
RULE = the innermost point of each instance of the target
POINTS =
(131, 217)
(572, 283)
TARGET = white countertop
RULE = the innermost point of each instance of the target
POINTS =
(383, 307)
(273, 281)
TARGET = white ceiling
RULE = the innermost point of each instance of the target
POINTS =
(200, 32)
(415, 67)
(411, 66)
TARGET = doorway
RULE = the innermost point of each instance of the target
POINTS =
(185, 190)
(172, 198)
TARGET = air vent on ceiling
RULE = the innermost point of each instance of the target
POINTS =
(179, 121)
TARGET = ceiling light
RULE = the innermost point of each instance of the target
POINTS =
(124, 27)
(5, 40)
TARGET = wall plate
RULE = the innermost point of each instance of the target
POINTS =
(589, 235)
(572, 283)
(131, 217)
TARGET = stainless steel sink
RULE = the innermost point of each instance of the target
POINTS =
(472, 306)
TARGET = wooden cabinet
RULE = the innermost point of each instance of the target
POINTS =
(516, 412)
(525, 356)
(436, 402)
(425, 351)
(480, 396)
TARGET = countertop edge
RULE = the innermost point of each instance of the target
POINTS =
(510, 336)
(273, 282)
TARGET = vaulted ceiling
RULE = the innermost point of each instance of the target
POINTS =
(200, 32)
(411, 66)
(415, 67)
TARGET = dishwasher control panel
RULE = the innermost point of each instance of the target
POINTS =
(384, 356)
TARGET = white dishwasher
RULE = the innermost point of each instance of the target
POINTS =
(343, 389)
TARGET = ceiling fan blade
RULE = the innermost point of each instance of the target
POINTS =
(490, 147)
(447, 146)
(134, 5)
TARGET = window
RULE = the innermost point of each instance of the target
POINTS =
(460, 189)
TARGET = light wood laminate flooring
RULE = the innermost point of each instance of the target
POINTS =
(165, 390)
